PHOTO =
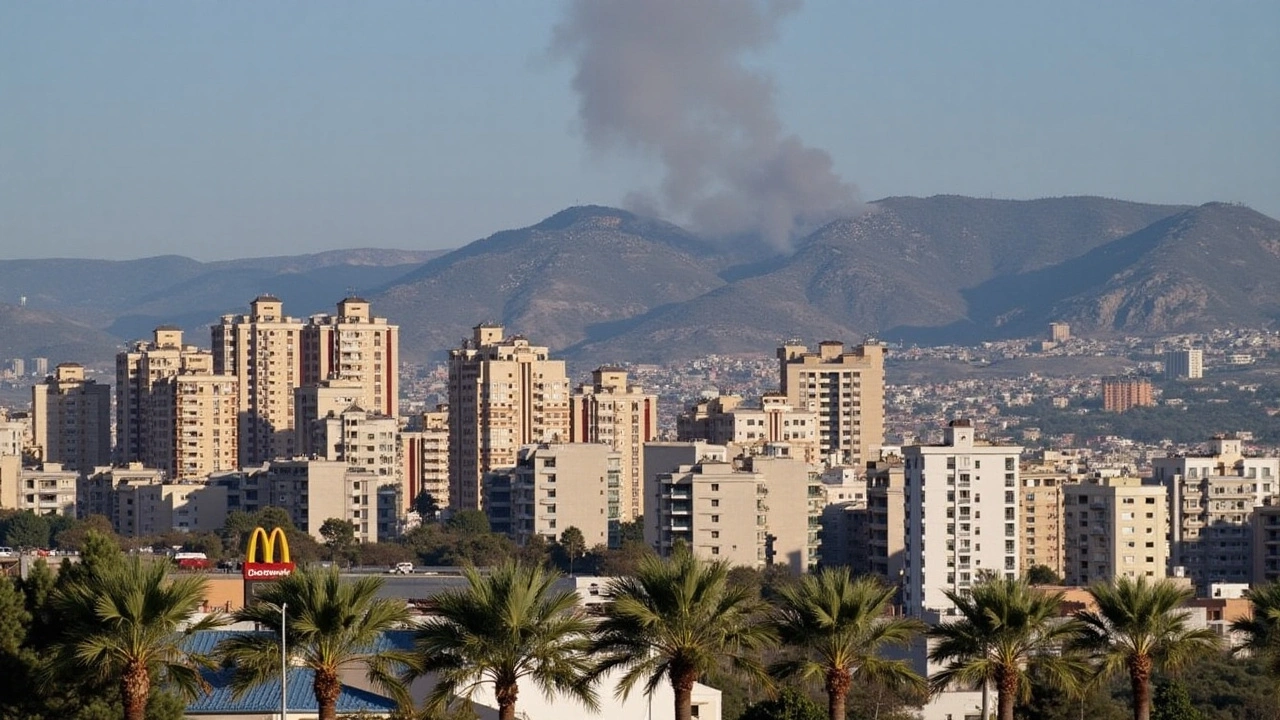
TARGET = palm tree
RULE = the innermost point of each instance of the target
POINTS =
(1136, 629)
(501, 628)
(331, 624)
(1262, 630)
(678, 619)
(1006, 630)
(127, 622)
(840, 625)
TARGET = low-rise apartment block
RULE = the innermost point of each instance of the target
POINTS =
(752, 511)
(47, 489)
(554, 487)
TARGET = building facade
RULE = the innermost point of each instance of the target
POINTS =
(1186, 364)
(1114, 527)
(1211, 499)
(355, 346)
(724, 421)
(503, 394)
(961, 516)
(263, 352)
(71, 419)
(192, 419)
(554, 487)
(753, 511)
(622, 416)
(1122, 393)
(845, 389)
(138, 369)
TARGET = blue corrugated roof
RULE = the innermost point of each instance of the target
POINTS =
(265, 697)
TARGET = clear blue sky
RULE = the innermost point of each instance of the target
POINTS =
(237, 129)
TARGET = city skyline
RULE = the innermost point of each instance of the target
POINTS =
(137, 130)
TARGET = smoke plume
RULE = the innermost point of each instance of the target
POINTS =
(668, 78)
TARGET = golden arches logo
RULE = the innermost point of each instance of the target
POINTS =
(268, 545)
(270, 567)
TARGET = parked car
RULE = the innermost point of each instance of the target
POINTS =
(404, 568)
(7, 552)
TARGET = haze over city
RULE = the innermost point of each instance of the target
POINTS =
(136, 129)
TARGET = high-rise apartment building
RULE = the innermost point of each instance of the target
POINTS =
(1211, 500)
(263, 351)
(887, 511)
(961, 516)
(1059, 332)
(622, 416)
(71, 419)
(503, 394)
(846, 389)
(192, 419)
(1186, 364)
(354, 345)
(1113, 527)
(554, 487)
(1122, 393)
(1266, 544)
(138, 369)
(775, 424)
(425, 456)
(1041, 519)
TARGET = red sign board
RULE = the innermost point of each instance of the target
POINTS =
(267, 570)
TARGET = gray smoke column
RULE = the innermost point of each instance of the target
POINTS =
(668, 78)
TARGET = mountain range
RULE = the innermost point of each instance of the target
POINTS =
(600, 284)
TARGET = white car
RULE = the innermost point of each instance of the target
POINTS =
(404, 568)
(7, 552)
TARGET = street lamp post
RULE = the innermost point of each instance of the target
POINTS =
(284, 665)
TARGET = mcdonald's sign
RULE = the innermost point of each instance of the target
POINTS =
(270, 567)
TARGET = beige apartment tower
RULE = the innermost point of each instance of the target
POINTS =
(137, 371)
(1114, 527)
(355, 346)
(1041, 519)
(193, 418)
(262, 350)
(71, 419)
(846, 389)
(424, 454)
(503, 394)
(622, 416)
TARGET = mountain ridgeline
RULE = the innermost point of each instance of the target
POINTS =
(599, 284)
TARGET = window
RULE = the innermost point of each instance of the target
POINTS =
(715, 502)
(715, 518)
(715, 550)
(715, 534)
(715, 487)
